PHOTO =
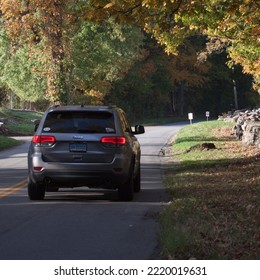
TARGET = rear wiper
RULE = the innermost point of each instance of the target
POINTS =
(87, 131)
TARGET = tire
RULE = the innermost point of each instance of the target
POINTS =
(137, 180)
(126, 190)
(35, 191)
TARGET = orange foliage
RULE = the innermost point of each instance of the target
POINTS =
(39, 22)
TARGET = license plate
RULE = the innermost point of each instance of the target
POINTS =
(78, 147)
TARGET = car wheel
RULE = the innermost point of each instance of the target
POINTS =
(126, 190)
(35, 191)
(137, 180)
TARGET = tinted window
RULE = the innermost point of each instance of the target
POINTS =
(79, 122)
(125, 125)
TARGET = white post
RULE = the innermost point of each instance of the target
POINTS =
(207, 115)
(190, 116)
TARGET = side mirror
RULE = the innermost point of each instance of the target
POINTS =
(36, 127)
(36, 124)
(139, 129)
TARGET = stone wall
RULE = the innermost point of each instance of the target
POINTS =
(247, 125)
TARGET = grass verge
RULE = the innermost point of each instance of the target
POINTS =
(7, 142)
(215, 207)
(17, 123)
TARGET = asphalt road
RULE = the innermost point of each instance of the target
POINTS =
(82, 224)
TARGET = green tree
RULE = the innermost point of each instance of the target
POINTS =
(20, 71)
(103, 53)
(234, 23)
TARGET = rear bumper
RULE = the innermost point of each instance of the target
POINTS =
(78, 179)
(80, 174)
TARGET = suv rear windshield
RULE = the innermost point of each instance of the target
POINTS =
(79, 122)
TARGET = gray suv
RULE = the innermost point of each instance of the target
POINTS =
(91, 146)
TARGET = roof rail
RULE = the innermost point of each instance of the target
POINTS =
(54, 106)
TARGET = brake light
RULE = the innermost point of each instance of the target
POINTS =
(121, 140)
(39, 139)
(115, 140)
(38, 169)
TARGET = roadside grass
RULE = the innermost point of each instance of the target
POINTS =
(7, 142)
(215, 206)
(19, 123)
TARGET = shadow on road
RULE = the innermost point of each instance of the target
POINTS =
(152, 189)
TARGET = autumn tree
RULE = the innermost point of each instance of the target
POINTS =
(186, 72)
(160, 84)
(72, 55)
(68, 41)
(42, 23)
(233, 24)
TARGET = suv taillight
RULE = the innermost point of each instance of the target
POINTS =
(43, 139)
(114, 140)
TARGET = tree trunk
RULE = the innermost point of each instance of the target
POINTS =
(54, 33)
(11, 100)
(181, 98)
(172, 102)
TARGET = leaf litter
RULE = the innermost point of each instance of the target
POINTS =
(217, 204)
